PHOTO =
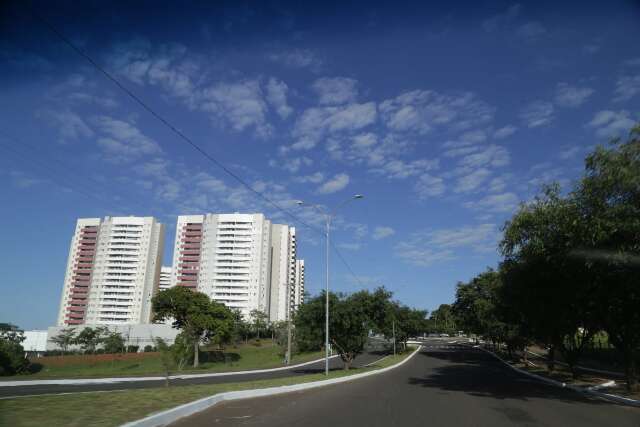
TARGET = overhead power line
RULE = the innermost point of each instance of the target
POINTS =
(181, 135)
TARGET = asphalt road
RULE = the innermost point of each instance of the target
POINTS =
(443, 385)
(29, 390)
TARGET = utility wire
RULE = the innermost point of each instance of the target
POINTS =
(180, 134)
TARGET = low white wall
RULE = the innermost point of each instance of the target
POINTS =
(140, 335)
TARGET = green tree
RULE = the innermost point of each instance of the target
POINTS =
(443, 319)
(241, 328)
(12, 357)
(259, 319)
(65, 338)
(609, 201)
(348, 325)
(199, 318)
(539, 271)
(113, 343)
(91, 338)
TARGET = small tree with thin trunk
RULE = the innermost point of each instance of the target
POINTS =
(259, 319)
(199, 318)
(64, 339)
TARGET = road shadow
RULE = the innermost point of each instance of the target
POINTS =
(478, 374)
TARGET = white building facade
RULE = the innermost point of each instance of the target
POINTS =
(112, 272)
(241, 260)
(164, 281)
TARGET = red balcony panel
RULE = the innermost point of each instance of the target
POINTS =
(74, 322)
(80, 301)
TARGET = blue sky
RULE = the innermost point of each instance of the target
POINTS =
(444, 117)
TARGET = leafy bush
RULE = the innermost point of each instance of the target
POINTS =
(149, 348)
(132, 348)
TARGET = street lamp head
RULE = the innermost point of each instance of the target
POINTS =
(358, 196)
(299, 202)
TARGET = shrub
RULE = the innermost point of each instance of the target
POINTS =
(132, 348)
(149, 348)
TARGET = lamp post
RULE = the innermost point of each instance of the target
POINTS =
(328, 216)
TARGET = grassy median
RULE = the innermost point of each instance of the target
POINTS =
(244, 357)
(114, 408)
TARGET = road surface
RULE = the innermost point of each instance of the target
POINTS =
(29, 390)
(443, 385)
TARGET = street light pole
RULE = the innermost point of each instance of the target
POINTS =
(326, 305)
(328, 216)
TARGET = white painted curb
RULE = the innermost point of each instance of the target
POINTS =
(85, 381)
(607, 396)
(171, 415)
(597, 371)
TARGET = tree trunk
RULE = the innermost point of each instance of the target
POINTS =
(347, 364)
(196, 354)
(630, 370)
(551, 359)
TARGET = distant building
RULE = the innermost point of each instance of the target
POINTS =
(164, 282)
(35, 342)
(112, 271)
(298, 289)
(241, 260)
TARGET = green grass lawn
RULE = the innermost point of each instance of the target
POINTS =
(244, 357)
(115, 408)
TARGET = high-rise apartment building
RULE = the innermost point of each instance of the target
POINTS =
(112, 271)
(283, 255)
(241, 260)
(298, 289)
(164, 282)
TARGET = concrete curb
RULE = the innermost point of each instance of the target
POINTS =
(171, 415)
(596, 371)
(606, 396)
(85, 381)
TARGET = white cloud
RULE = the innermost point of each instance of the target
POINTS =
(627, 87)
(69, 124)
(337, 183)
(634, 62)
(501, 203)
(609, 123)
(23, 180)
(316, 123)
(500, 20)
(164, 65)
(277, 97)
(537, 113)
(399, 169)
(315, 178)
(122, 141)
(336, 90)
(423, 111)
(491, 155)
(240, 104)
(504, 132)
(296, 58)
(472, 180)
(424, 248)
(429, 186)
(572, 96)
(569, 152)
(531, 31)
(291, 165)
(382, 232)
(497, 184)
